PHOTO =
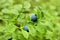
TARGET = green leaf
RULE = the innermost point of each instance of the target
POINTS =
(5, 11)
(41, 28)
(26, 3)
(18, 7)
(32, 31)
(25, 34)
(10, 28)
(31, 37)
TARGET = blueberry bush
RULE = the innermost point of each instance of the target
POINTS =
(29, 19)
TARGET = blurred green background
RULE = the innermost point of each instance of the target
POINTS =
(19, 12)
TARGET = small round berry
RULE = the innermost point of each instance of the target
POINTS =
(26, 28)
(34, 18)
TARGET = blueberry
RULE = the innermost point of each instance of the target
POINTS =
(26, 28)
(34, 17)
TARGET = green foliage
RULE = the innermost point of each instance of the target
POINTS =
(19, 12)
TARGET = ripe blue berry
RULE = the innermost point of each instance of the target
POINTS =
(34, 18)
(26, 28)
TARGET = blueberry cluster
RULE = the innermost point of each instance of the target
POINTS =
(33, 19)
